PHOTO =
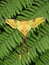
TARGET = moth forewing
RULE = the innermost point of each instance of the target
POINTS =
(37, 21)
(12, 23)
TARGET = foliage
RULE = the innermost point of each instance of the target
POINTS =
(11, 39)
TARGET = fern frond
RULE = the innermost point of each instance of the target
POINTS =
(37, 39)
(43, 59)
(8, 41)
(10, 8)
(35, 42)
(38, 9)
(40, 37)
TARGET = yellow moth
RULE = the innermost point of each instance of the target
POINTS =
(25, 26)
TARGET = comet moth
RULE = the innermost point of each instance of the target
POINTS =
(24, 26)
